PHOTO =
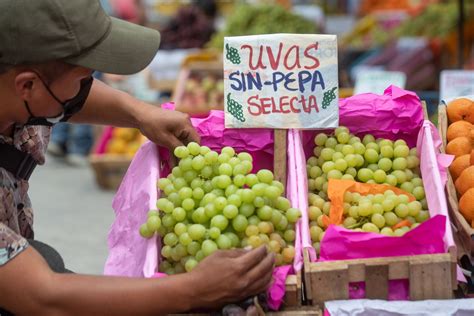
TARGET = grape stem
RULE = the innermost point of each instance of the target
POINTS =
(358, 224)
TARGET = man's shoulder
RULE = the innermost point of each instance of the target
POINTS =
(30, 139)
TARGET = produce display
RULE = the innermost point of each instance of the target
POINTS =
(375, 5)
(460, 137)
(202, 93)
(377, 161)
(262, 19)
(435, 21)
(372, 30)
(212, 201)
(124, 141)
(417, 63)
(189, 28)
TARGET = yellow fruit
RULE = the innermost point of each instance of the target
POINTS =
(116, 146)
(133, 147)
(126, 134)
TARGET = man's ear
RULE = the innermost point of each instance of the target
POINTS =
(26, 83)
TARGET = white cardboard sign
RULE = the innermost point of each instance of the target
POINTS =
(376, 81)
(281, 81)
(456, 83)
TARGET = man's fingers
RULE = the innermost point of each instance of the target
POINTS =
(188, 135)
(194, 136)
(172, 142)
(261, 284)
(253, 257)
(262, 274)
(234, 253)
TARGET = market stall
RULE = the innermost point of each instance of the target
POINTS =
(366, 177)
(321, 148)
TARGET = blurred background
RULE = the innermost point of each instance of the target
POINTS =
(414, 44)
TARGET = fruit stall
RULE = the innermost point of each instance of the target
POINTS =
(353, 196)
(233, 197)
(415, 38)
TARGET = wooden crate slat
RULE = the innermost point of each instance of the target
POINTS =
(398, 265)
(279, 155)
(443, 124)
(304, 310)
(307, 275)
(443, 281)
(330, 283)
(430, 280)
(356, 272)
(454, 266)
(376, 281)
(291, 291)
(330, 279)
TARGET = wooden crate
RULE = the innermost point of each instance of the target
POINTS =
(465, 233)
(431, 276)
(302, 310)
(293, 291)
(109, 169)
(292, 302)
(196, 70)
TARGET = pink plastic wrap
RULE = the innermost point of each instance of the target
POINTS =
(130, 254)
(103, 140)
(396, 114)
(348, 244)
(128, 251)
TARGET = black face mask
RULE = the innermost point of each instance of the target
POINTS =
(70, 107)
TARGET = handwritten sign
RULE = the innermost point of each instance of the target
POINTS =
(456, 83)
(376, 81)
(281, 81)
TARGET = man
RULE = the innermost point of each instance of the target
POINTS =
(48, 50)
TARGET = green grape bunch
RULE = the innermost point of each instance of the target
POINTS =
(235, 109)
(343, 155)
(213, 200)
(232, 54)
(328, 97)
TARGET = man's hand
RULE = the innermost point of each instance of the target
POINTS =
(106, 105)
(232, 275)
(167, 128)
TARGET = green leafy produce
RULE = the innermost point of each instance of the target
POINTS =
(437, 20)
(262, 19)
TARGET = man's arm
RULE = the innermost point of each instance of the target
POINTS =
(29, 287)
(108, 106)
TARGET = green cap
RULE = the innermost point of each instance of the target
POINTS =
(78, 32)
